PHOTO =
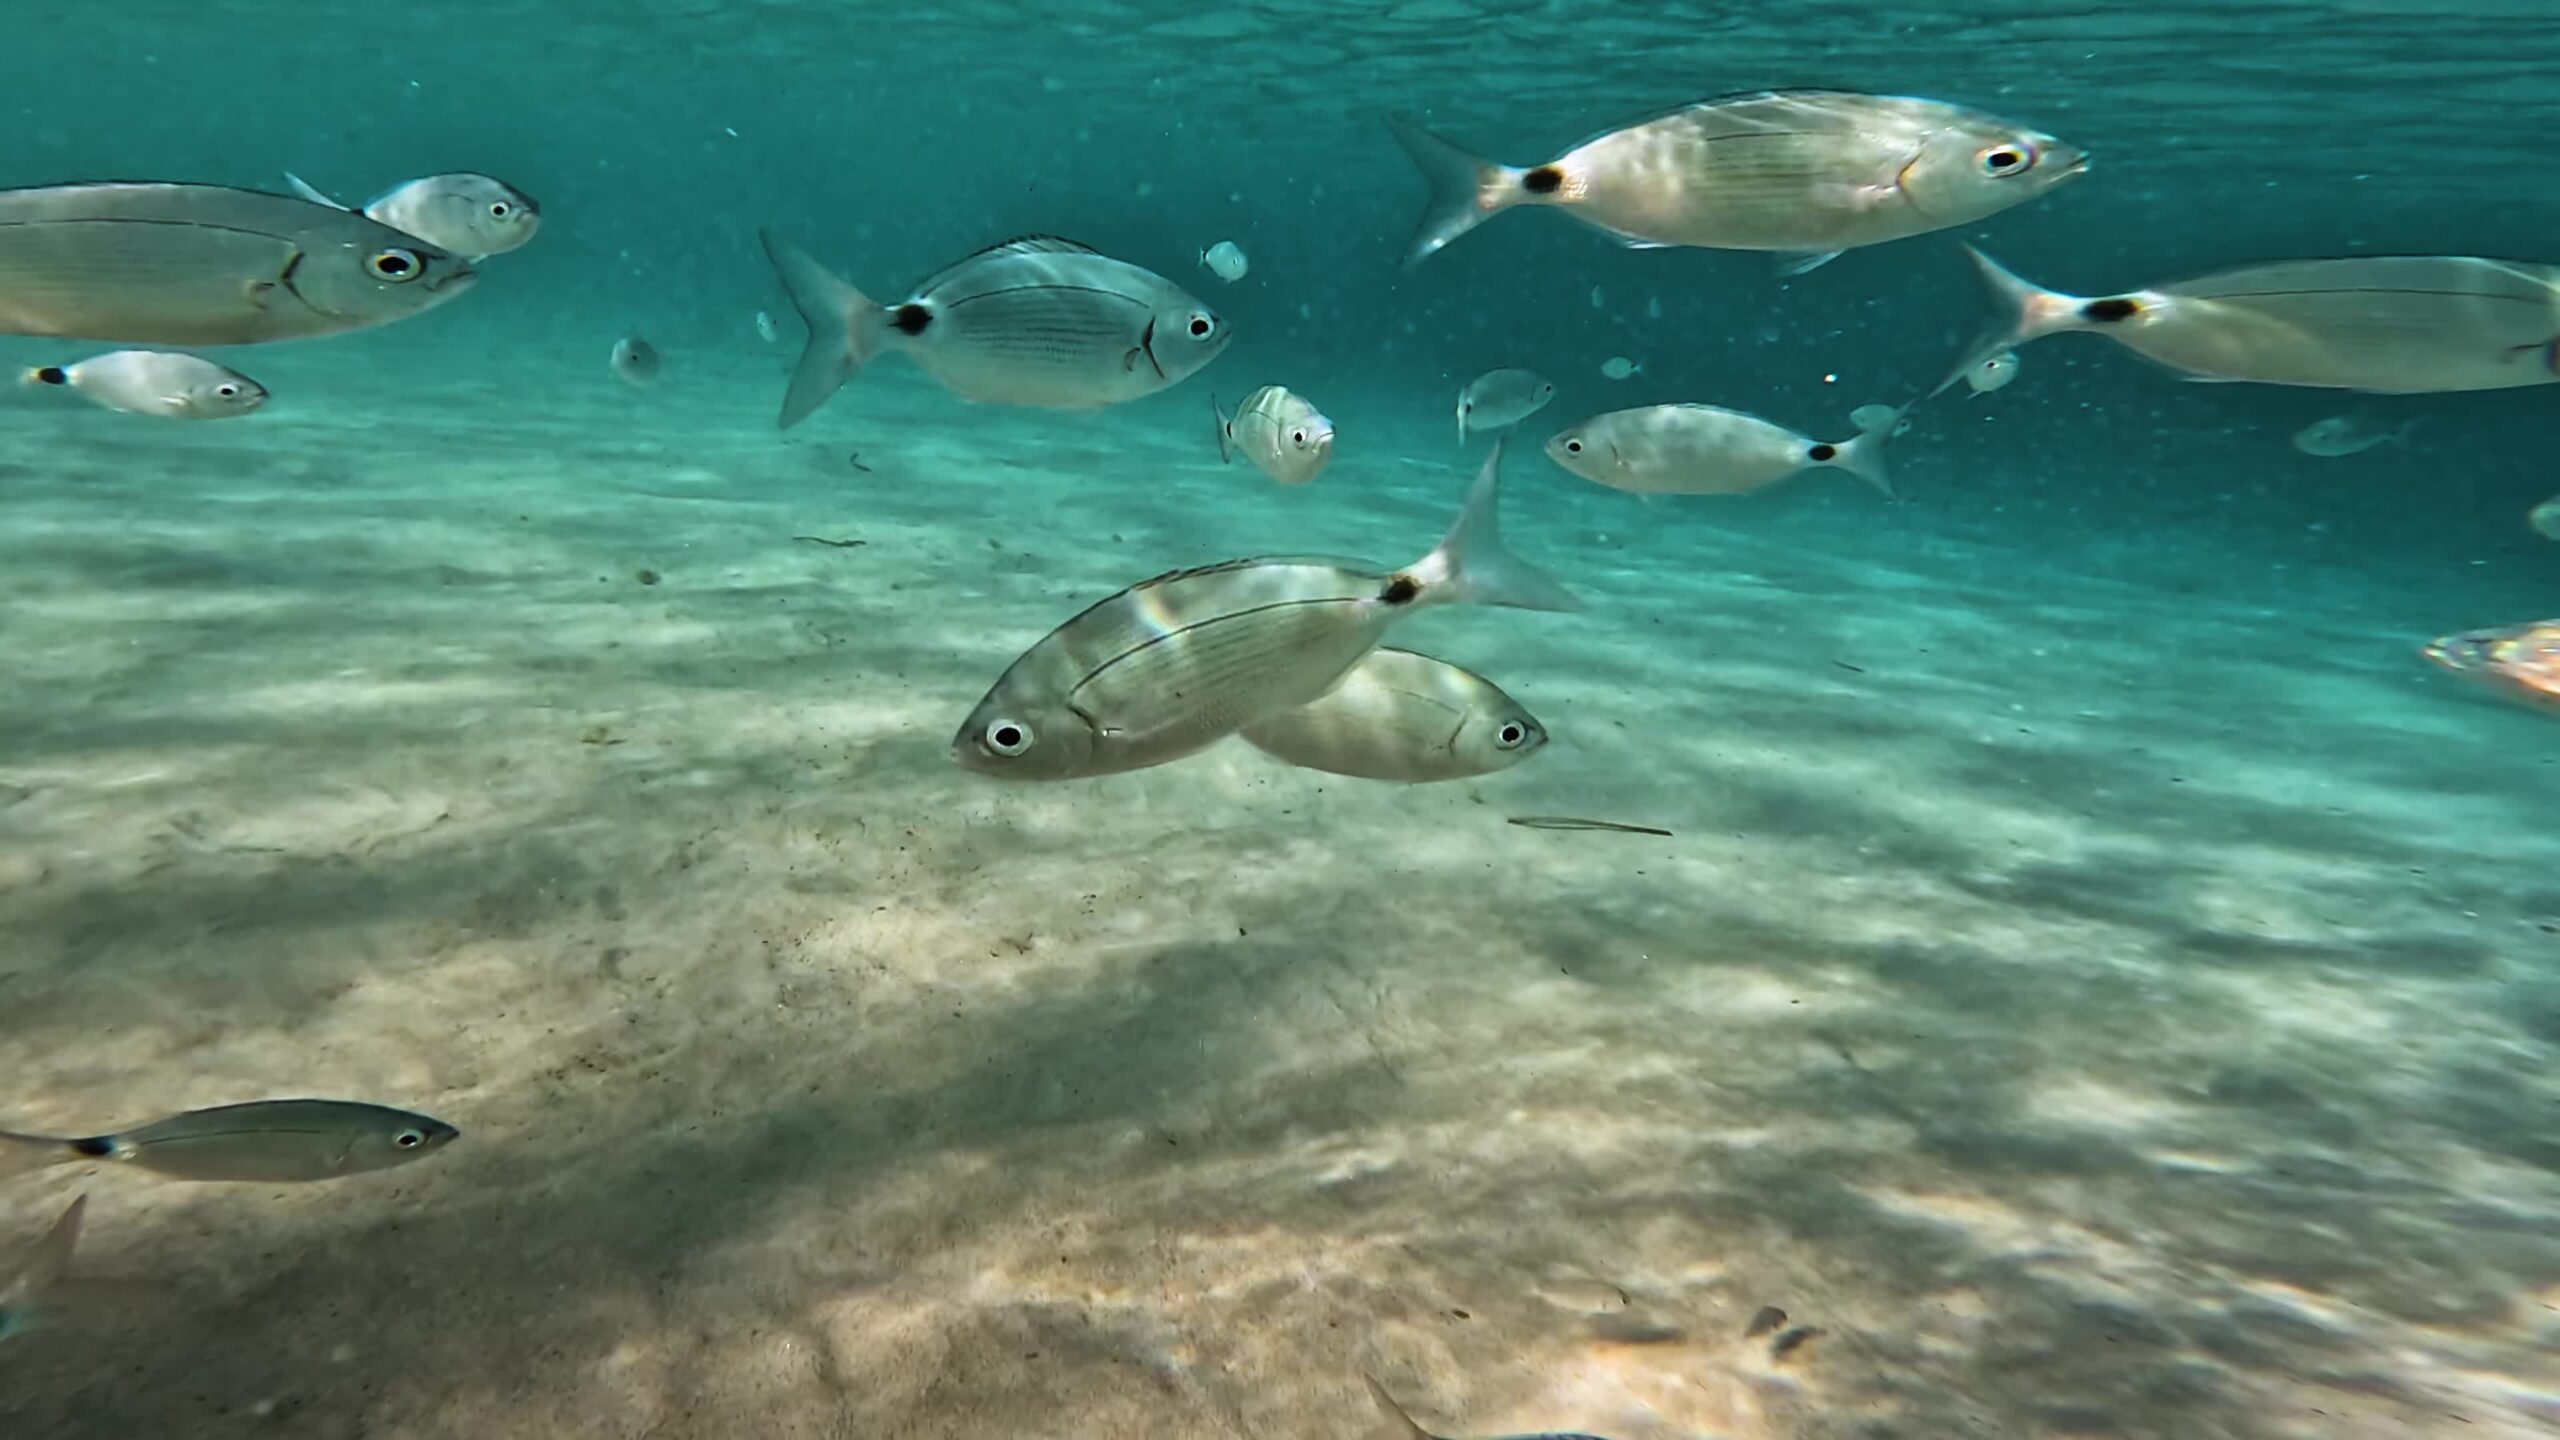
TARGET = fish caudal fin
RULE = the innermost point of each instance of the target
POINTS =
(1864, 456)
(1465, 189)
(1407, 1428)
(2021, 310)
(1218, 421)
(1469, 566)
(845, 329)
(304, 189)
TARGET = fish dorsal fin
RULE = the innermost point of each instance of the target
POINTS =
(1039, 245)
(303, 189)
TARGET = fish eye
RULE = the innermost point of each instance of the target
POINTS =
(1297, 437)
(395, 265)
(1510, 735)
(2002, 160)
(227, 390)
(500, 209)
(409, 1139)
(1573, 447)
(1007, 737)
(1201, 325)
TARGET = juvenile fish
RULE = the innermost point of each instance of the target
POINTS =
(1707, 450)
(2545, 518)
(1285, 437)
(1226, 260)
(1619, 367)
(1805, 173)
(27, 1290)
(155, 264)
(1993, 373)
(1499, 398)
(635, 361)
(2521, 662)
(467, 214)
(2343, 435)
(1407, 1428)
(157, 382)
(1034, 321)
(1176, 663)
(264, 1140)
(1403, 716)
(2390, 324)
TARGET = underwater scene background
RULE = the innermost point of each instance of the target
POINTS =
(2099, 981)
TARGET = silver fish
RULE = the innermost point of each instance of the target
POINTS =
(264, 1140)
(1176, 663)
(635, 361)
(1285, 437)
(27, 1292)
(1993, 373)
(2545, 518)
(1806, 173)
(1408, 1429)
(467, 214)
(1498, 398)
(157, 382)
(1034, 321)
(2390, 324)
(2343, 435)
(204, 265)
(1402, 716)
(1708, 450)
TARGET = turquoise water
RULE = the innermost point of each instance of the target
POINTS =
(2100, 978)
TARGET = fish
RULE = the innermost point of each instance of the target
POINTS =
(2344, 435)
(1993, 373)
(2387, 324)
(471, 215)
(1575, 822)
(1881, 417)
(1408, 1429)
(156, 382)
(1400, 715)
(176, 265)
(1708, 450)
(1226, 260)
(1174, 664)
(1035, 321)
(27, 1290)
(263, 1140)
(1805, 174)
(1499, 398)
(768, 329)
(635, 361)
(2521, 662)
(2545, 518)
(1285, 437)
(1619, 367)
(1764, 1321)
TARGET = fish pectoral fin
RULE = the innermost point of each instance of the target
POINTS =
(257, 291)
(1806, 261)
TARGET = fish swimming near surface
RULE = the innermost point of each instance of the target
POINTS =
(1035, 321)
(1226, 260)
(2521, 662)
(1408, 1429)
(1174, 664)
(1285, 437)
(2342, 435)
(2388, 324)
(161, 383)
(1500, 398)
(1709, 450)
(28, 1288)
(635, 361)
(173, 264)
(1804, 173)
(1403, 716)
(467, 214)
(263, 1140)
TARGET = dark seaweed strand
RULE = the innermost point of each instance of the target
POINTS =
(1568, 822)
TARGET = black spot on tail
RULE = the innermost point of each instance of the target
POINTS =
(2107, 312)
(1823, 454)
(911, 319)
(53, 375)
(1401, 590)
(1545, 180)
(99, 1146)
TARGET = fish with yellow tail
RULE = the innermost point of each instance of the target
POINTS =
(2521, 662)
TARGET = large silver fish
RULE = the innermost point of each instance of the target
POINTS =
(157, 264)
(1283, 435)
(1709, 450)
(1499, 398)
(27, 1290)
(163, 383)
(1403, 716)
(1807, 173)
(1033, 321)
(265, 1140)
(2390, 324)
(1176, 663)
(468, 214)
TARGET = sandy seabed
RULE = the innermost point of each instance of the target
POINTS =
(2094, 1009)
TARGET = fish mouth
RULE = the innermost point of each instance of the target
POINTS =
(462, 278)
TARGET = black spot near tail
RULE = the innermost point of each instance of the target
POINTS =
(2107, 312)
(52, 375)
(1823, 454)
(1545, 180)
(1401, 590)
(911, 319)
(99, 1146)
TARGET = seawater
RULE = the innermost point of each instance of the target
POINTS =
(2100, 981)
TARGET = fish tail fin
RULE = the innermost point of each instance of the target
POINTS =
(1864, 456)
(845, 328)
(1466, 189)
(51, 1261)
(304, 189)
(26, 1154)
(1218, 421)
(2021, 310)
(1407, 1428)
(1469, 565)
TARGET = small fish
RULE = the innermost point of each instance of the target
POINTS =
(767, 328)
(2343, 435)
(1708, 450)
(1408, 1429)
(157, 382)
(636, 361)
(1592, 1297)
(2545, 518)
(1993, 373)
(1765, 1321)
(1177, 663)
(159, 264)
(1570, 822)
(1285, 437)
(471, 215)
(1804, 173)
(1403, 716)
(264, 1140)
(27, 1291)
(1226, 261)
(2521, 662)
(1619, 367)
(2388, 324)
(1499, 398)
(1033, 321)
(1880, 417)
(1788, 1343)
